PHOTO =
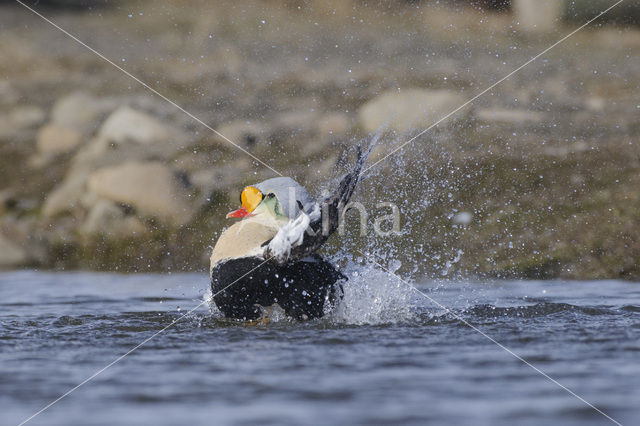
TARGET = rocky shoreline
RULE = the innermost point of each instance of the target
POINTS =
(537, 179)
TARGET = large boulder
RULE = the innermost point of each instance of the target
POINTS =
(408, 109)
(538, 16)
(54, 139)
(107, 218)
(334, 124)
(66, 196)
(508, 116)
(151, 188)
(27, 116)
(11, 255)
(126, 135)
(129, 125)
(8, 94)
(246, 133)
(80, 111)
(285, 130)
(73, 119)
(20, 123)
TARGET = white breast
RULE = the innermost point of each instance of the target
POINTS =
(244, 239)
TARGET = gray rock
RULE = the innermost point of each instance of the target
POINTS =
(20, 122)
(54, 139)
(325, 129)
(286, 128)
(245, 133)
(565, 149)
(509, 116)
(106, 218)
(8, 94)
(409, 109)
(11, 255)
(150, 188)
(334, 124)
(80, 111)
(66, 197)
(538, 16)
(73, 118)
(297, 122)
(129, 125)
(27, 116)
(595, 103)
(212, 179)
(126, 135)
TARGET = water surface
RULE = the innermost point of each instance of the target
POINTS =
(388, 356)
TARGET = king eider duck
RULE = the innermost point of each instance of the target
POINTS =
(269, 257)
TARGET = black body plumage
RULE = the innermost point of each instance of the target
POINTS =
(305, 289)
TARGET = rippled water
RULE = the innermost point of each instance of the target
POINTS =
(388, 356)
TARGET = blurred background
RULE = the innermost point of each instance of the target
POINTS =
(538, 178)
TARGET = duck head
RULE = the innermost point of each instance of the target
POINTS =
(282, 198)
(254, 202)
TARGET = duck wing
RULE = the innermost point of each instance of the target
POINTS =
(304, 235)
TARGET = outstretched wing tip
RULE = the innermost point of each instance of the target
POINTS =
(331, 210)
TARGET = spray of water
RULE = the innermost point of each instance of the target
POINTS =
(371, 296)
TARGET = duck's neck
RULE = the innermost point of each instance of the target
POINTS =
(267, 219)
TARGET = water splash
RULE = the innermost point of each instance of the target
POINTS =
(372, 296)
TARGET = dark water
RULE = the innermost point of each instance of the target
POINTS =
(387, 357)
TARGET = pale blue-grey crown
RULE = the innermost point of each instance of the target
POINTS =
(285, 188)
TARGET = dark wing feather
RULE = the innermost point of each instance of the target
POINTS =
(332, 209)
